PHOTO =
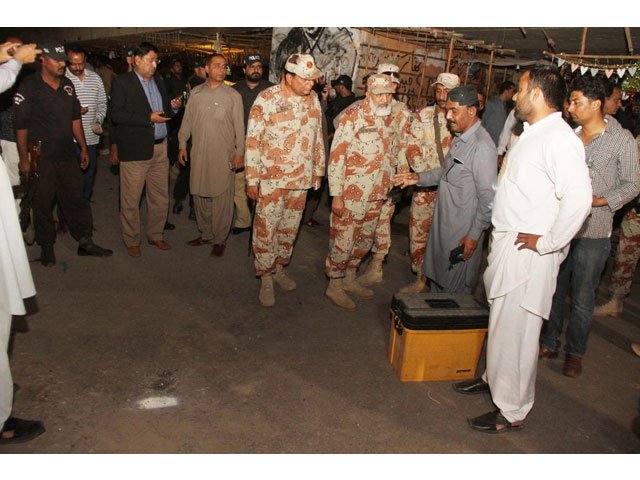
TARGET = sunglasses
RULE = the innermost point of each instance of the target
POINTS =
(393, 74)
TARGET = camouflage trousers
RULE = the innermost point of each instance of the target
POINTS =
(275, 227)
(351, 236)
(382, 239)
(423, 205)
(627, 255)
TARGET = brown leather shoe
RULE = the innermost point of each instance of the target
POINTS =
(197, 242)
(161, 244)
(546, 353)
(572, 366)
(134, 251)
(217, 250)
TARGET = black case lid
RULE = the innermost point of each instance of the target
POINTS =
(439, 311)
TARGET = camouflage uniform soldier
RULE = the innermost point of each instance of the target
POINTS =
(625, 264)
(360, 171)
(284, 158)
(423, 154)
(402, 118)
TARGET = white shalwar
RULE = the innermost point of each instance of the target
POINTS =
(544, 189)
(16, 284)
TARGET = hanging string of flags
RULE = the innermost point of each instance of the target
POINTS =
(601, 63)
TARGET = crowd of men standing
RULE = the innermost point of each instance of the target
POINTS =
(551, 204)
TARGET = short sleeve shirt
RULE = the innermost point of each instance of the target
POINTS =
(48, 115)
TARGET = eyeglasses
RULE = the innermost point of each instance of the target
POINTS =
(393, 74)
(219, 66)
(152, 60)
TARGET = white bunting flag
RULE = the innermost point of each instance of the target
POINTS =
(608, 72)
(561, 62)
(632, 71)
(583, 70)
(594, 71)
(621, 72)
(574, 67)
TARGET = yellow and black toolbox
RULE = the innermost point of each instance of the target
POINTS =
(436, 336)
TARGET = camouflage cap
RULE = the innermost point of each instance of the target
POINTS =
(448, 80)
(303, 65)
(389, 69)
(377, 84)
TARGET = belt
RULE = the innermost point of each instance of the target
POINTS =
(160, 140)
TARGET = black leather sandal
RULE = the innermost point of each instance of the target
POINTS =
(494, 422)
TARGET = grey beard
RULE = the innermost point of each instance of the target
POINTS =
(382, 111)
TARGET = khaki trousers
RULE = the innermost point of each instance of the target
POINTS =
(214, 216)
(243, 215)
(134, 175)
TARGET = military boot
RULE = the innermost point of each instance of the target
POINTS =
(351, 285)
(612, 307)
(283, 281)
(417, 286)
(267, 297)
(337, 295)
(373, 274)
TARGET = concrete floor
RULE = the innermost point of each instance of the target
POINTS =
(302, 377)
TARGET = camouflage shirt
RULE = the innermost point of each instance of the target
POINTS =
(402, 120)
(284, 146)
(422, 152)
(361, 163)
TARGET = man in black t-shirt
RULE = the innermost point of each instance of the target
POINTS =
(47, 113)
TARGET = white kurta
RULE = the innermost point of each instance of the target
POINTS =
(544, 189)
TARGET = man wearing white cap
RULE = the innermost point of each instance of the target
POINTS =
(402, 118)
(284, 157)
(430, 143)
(361, 166)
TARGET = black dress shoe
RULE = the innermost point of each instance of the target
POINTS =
(47, 256)
(177, 207)
(90, 249)
(16, 430)
(472, 387)
(494, 422)
(217, 250)
(169, 226)
(196, 242)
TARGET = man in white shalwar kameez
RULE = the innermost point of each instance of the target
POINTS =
(16, 282)
(543, 197)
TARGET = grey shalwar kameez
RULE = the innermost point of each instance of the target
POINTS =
(466, 183)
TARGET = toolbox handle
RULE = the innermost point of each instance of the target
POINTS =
(397, 324)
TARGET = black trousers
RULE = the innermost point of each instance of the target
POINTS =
(61, 180)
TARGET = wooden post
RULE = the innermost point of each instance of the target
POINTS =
(453, 39)
(489, 74)
(424, 63)
(466, 73)
(627, 34)
(584, 40)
